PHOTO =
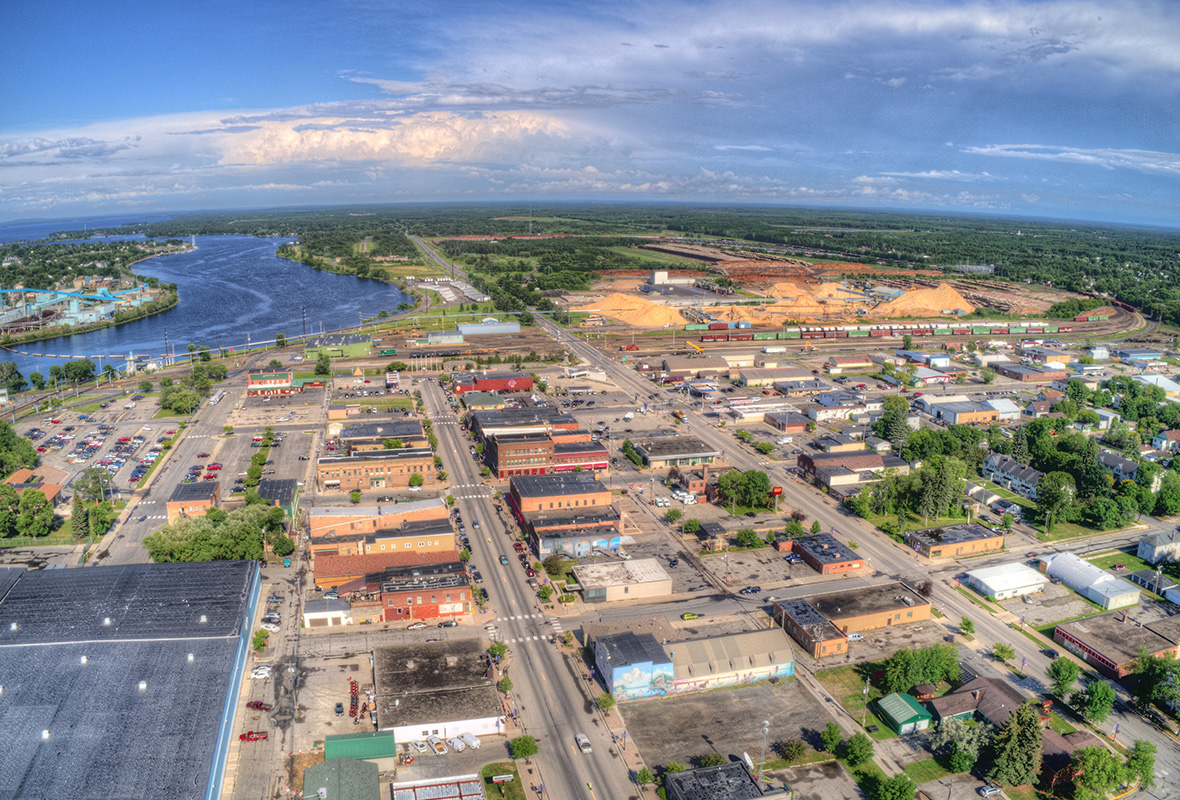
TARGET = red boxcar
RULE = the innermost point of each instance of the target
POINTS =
(961, 331)
(714, 337)
(741, 337)
(1065, 328)
(718, 326)
(877, 334)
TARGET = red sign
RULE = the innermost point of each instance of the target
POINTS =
(776, 491)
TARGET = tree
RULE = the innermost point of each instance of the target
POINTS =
(858, 750)
(1095, 701)
(816, 527)
(1063, 673)
(907, 342)
(1141, 763)
(748, 539)
(605, 701)
(11, 378)
(416, 479)
(554, 564)
(1055, 494)
(1155, 679)
(792, 750)
(523, 747)
(672, 515)
(987, 375)
(892, 424)
(354, 497)
(275, 365)
(899, 787)
(966, 626)
(1016, 753)
(1003, 652)
(280, 340)
(710, 760)
(392, 444)
(36, 514)
(962, 741)
(505, 684)
(691, 526)
(1096, 771)
(323, 365)
(831, 736)
(644, 777)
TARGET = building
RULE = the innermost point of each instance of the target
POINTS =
(575, 491)
(373, 469)
(46, 480)
(98, 704)
(342, 778)
(437, 595)
(768, 376)
(338, 345)
(373, 436)
(1112, 642)
(281, 493)
(543, 453)
(663, 452)
(326, 613)
(840, 443)
(414, 536)
(1006, 410)
(566, 512)
(634, 666)
(485, 424)
(611, 581)
(489, 325)
(844, 474)
(334, 529)
(464, 382)
(838, 364)
(1153, 581)
(953, 541)
(787, 421)
(1136, 354)
(1168, 441)
(441, 689)
(1091, 582)
(821, 622)
(1029, 374)
(824, 553)
(1004, 470)
(903, 713)
(990, 359)
(192, 499)
(338, 572)
(272, 384)
(434, 338)
(1123, 469)
(483, 401)
(458, 787)
(729, 781)
(1006, 580)
(1159, 547)
(1038, 408)
(1170, 388)
(966, 413)
(990, 699)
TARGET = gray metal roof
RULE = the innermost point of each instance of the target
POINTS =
(200, 490)
(561, 483)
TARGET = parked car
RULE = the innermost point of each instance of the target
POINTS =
(258, 705)
(456, 744)
(419, 746)
(471, 740)
(270, 627)
(253, 736)
(340, 709)
(690, 615)
(416, 626)
(448, 623)
(504, 560)
(436, 745)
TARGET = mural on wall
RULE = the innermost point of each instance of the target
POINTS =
(655, 680)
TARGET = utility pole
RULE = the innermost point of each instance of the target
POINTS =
(304, 310)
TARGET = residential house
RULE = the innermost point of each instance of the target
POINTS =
(1006, 471)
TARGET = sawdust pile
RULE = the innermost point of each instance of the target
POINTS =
(635, 311)
(788, 289)
(924, 302)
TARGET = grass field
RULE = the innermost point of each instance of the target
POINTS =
(847, 685)
(1059, 724)
(513, 790)
(1132, 563)
(928, 770)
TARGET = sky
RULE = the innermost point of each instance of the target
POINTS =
(1057, 108)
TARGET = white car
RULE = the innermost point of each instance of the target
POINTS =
(420, 746)
(436, 745)
(270, 627)
(457, 744)
(583, 742)
(260, 672)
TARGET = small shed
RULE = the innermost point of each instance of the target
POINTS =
(378, 747)
(326, 613)
(924, 692)
(903, 714)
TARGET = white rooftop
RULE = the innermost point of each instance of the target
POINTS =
(1003, 577)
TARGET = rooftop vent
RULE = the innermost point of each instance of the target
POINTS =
(45, 736)
(143, 686)
(203, 619)
(191, 658)
(83, 659)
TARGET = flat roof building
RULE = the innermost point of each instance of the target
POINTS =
(1006, 580)
(729, 781)
(98, 702)
(825, 554)
(373, 469)
(952, 541)
(192, 499)
(662, 452)
(1111, 642)
(609, 581)
(1090, 581)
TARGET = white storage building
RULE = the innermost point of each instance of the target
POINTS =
(1091, 582)
(1006, 580)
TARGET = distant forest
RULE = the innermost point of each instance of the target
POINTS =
(1140, 267)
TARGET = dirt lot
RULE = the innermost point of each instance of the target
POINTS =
(826, 781)
(666, 729)
(1052, 605)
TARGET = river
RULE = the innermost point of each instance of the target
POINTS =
(233, 289)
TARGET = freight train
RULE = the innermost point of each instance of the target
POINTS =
(878, 331)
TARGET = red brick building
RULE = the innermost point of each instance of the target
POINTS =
(543, 453)
(492, 382)
(332, 527)
(566, 492)
(332, 572)
(259, 384)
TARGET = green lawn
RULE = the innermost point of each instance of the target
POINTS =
(928, 770)
(1007, 494)
(167, 413)
(847, 685)
(1058, 723)
(1133, 563)
(513, 790)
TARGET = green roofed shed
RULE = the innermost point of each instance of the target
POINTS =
(903, 713)
(342, 779)
(374, 746)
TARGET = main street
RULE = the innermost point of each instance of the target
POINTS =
(553, 700)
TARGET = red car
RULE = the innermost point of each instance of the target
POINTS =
(55, 421)
(171, 432)
(202, 455)
(518, 547)
(213, 467)
(530, 572)
(253, 736)
(258, 705)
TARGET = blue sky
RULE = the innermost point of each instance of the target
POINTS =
(1067, 109)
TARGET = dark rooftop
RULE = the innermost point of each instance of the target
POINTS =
(424, 583)
(824, 548)
(728, 781)
(673, 446)
(399, 454)
(580, 447)
(1120, 641)
(866, 600)
(201, 490)
(402, 571)
(280, 492)
(952, 534)
(579, 523)
(555, 485)
(434, 682)
(625, 649)
(65, 671)
(394, 429)
(807, 617)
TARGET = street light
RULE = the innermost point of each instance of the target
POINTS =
(762, 763)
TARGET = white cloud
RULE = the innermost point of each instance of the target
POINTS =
(943, 175)
(1149, 161)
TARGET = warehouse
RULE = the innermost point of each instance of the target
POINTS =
(768, 376)
(491, 382)
(1026, 374)
(703, 367)
(953, 541)
(968, 413)
(662, 452)
(1112, 642)
(821, 622)
(489, 325)
(98, 704)
(1091, 582)
(374, 436)
(1006, 580)
(903, 713)
(1006, 410)
(824, 553)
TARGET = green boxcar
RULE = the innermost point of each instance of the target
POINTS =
(980, 331)
(1016, 329)
(696, 326)
(942, 331)
(762, 337)
(792, 335)
(857, 333)
(1050, 329)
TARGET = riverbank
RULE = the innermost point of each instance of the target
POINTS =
(120, 318)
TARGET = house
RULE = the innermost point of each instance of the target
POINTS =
(903, 713)
(1009, 473)
(1160, 547)
(1167, 440)
(1038, 408)
(1123, 469)
(1105, 417)
(47, 480)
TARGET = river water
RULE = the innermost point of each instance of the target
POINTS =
(233, 289)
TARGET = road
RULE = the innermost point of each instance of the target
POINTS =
(552, 698)
(892, 559)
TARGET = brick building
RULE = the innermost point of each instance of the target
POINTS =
(486, 424)
(372, 436)
(824, 553)
(821, 622)
(263, 384)
(570, 492)
(373, 469)
(491, 382)
(425, 597)
(662, 452)
(335, 572)
(1111, 642)
(193, 499)
(333, 527)
(953, 541)
(542, 453)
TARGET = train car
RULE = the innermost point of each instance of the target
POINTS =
(792, 333)
(714, 337)
(999, 331)
(813, 334)
(741, 337)
(858, 333)
(696, 326)
(835, 334)
(878, 333)
(942, 331)
(762, 337)
(980, 331)
(920, 332)
(1019, 329)
(1065, 328)
(718, 326)
(961, 331)
(1050, 329)
(1032, 330)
